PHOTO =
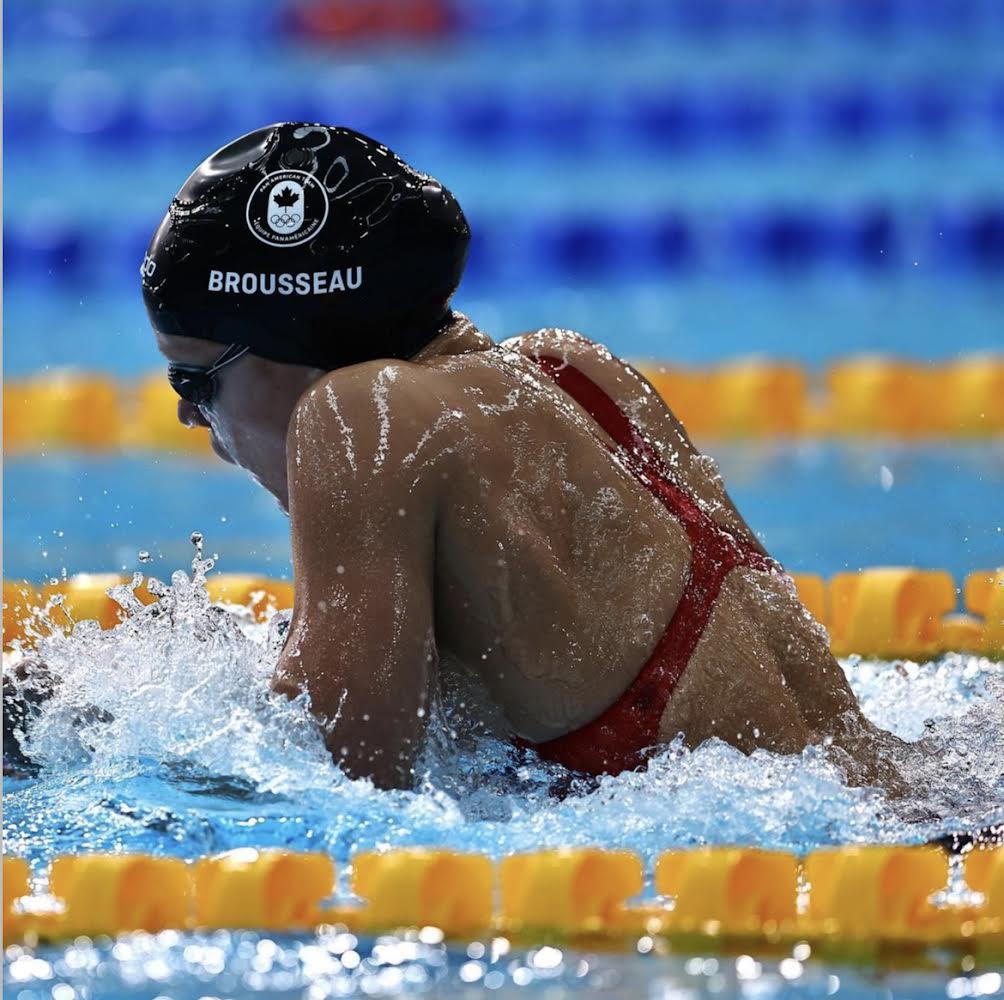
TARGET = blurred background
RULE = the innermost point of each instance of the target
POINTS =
(684, 180)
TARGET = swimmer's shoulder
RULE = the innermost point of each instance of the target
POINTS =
(553, 340)
(619, 379)
(373, 415)
(589, 356)
(639, 399)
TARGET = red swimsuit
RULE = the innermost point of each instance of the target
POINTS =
(624, 735)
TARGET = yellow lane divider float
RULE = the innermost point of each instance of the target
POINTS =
(748, 398)
(842, 901)
(884, 612)
(863, 395)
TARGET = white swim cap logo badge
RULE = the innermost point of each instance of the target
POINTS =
(287, 208)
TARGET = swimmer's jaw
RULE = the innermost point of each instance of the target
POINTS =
(192, 416)
(248, 418)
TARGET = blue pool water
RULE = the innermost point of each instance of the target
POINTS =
(687, 180)
(231, 767)
(698, 320)
(332, 963)
(822, 508)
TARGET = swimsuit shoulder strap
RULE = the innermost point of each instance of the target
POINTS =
(602, 408)
(643, 459)
(622, 736)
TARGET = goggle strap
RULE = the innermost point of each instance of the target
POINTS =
(232, 353)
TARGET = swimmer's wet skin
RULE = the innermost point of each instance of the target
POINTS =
(528, 510)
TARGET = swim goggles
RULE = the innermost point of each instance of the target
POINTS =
(196, 384)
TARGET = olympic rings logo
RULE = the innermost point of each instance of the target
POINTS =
(286, 219)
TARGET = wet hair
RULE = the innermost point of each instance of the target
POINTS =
(309, 244)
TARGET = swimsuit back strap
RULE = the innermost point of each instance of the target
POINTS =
(621, 737)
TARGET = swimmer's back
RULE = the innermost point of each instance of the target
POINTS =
(554, 573)
(578, 569)
(762, 674)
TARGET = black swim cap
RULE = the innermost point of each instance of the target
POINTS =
(310, 244)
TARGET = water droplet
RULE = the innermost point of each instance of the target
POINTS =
(144, 556)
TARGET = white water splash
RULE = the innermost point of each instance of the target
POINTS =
(174, 703)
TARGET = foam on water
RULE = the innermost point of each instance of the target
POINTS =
(162, 736)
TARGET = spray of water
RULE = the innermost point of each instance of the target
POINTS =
(161, 735)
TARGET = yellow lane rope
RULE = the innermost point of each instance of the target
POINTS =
(837, 901)
(740, 399)
(886, 612)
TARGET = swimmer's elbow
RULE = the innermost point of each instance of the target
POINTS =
(387, 766)
(360, 746)
(283, 686)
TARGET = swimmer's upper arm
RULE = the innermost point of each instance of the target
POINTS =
(362, 642)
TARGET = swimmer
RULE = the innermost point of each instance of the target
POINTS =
(529, 509)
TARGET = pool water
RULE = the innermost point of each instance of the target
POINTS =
(229, 767)
(336, 964)
(820, 507)
(685, 181)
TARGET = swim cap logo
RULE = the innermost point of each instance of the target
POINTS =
(287, 208)
(283, 216)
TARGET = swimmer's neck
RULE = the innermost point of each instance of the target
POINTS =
(459, 336)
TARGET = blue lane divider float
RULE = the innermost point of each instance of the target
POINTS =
(688, 19)
(52, 248)
(185, 21)
(130, 22)
(92, 108)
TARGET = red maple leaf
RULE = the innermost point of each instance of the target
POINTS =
(286, 198)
